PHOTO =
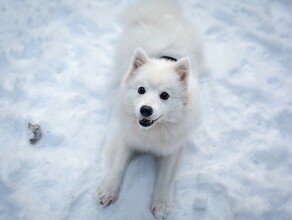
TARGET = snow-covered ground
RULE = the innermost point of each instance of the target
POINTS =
(55, 70)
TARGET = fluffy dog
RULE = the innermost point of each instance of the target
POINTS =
(158, 101)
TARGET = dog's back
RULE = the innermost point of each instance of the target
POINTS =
(151, 11)
(161, 30)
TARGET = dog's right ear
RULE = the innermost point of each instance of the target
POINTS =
(139, 58)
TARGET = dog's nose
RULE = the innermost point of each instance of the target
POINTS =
(146, 110)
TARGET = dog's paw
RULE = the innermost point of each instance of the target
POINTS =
(160, 208)
(107, 195)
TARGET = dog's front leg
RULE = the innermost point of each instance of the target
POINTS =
(108, 192)
(161, 198)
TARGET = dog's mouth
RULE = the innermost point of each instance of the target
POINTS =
(144, 122)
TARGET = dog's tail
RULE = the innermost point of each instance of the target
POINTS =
(150, 11)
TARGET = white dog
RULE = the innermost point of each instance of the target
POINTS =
(158, 101)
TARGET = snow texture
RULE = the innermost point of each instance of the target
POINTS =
(55, 71)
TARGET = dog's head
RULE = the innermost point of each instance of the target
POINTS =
(155, 90)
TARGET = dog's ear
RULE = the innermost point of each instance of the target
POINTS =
(139, 59)
(182, 68)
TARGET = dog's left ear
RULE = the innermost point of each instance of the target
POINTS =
(182, 68)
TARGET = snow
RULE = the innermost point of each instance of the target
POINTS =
(55, 66)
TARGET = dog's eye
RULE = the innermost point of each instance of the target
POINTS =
(141, 90)
(164, 96)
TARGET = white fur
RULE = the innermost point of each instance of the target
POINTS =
(159, 28)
